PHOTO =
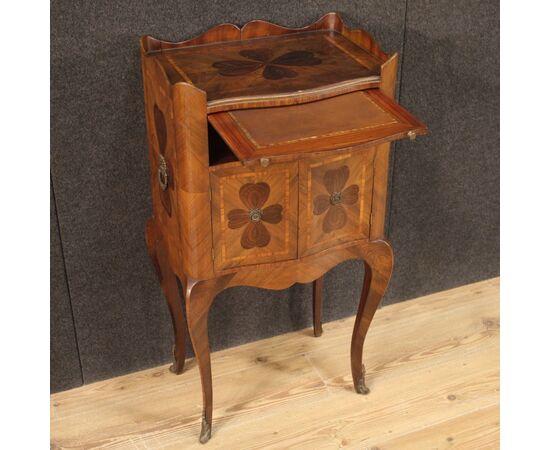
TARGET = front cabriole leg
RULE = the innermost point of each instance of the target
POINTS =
(378, 267)
(199, 295)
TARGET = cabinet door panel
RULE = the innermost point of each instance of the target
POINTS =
(254, 214)
(335, 199)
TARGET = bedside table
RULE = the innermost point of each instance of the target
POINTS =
(269, 151)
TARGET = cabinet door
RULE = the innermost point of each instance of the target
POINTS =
(335, 199)
(254, 214)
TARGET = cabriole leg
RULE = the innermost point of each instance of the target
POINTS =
(175, 304)
(317, 306)
(198, 298)
(378, 267)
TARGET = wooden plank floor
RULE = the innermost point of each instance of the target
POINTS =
(433, 371)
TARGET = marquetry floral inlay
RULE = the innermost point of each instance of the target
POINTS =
(254, 196)
(336, 200)
(274, 68)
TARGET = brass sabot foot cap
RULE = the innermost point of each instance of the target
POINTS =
(361, 387)
(206, 432)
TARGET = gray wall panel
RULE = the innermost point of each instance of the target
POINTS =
(65, 370)
(445, 199)
(100, 167)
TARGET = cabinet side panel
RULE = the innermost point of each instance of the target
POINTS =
(380, 190)
(388, 76)
(162, 156)
(192, 180)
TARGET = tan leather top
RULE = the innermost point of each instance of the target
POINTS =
(316, 120)
(337, 122)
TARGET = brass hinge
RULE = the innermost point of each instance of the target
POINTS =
(212, 253)
(210, 192)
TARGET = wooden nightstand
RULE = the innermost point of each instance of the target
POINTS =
(269, 152)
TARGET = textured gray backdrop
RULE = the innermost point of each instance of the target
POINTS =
(107, 313)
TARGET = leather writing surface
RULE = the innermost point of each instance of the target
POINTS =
(337, 122)
(337, 115)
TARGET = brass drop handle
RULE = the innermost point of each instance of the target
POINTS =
(163, 173)
(412, 135)
(264, 162)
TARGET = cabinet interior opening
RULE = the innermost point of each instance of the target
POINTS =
(218, 151)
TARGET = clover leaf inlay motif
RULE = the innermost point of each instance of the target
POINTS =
(275, 68)
(336, 200)
(254, 196)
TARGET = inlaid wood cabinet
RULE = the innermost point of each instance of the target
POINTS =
(269, 150)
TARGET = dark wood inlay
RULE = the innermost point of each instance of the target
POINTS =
(160, 128)
(333, 203)
(254, 196)
(240, 69)
(273, 67)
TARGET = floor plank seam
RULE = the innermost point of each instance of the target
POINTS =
(316, 369)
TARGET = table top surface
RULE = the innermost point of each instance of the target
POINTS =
(295, 64)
